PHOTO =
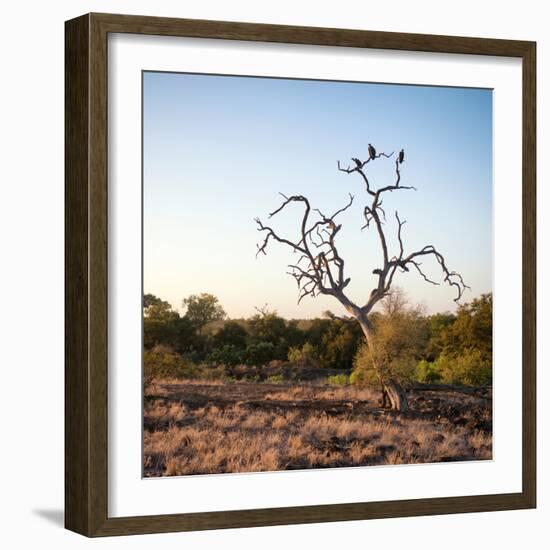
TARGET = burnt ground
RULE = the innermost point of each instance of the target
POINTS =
(470, 407)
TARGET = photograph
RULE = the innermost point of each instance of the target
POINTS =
(317, 274)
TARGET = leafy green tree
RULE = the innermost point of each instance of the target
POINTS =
(293, 335)
(461, 347)
(466, 345)
(437, 325)
(259, 354)
(339, 344)
(186, 340)
(227, 355)
(335, 340)
(472, 330)
(316, 331)
(164, 326)
(202, 309)
(267, 327)
(150, 300)
(159, 322)
(231, 334)
(157, 309)
(156, 332)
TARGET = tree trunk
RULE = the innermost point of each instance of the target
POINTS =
(396, 395)
(391, 389)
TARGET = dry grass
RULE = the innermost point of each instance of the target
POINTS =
(230, 433)
(345, 393)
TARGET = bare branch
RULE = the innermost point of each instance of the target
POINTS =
(272, 235)
(373, 213)
(381, 210)
(319, 272)
(320, 268)
(417, 266)
(287, 201)
(360, 171)
(399, 226)
(396, 185)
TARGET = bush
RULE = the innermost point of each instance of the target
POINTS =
(363, 372)
(227, 355)
(398, 338)
(259, 354)
(472, 330)
(400, 368)
(357, 378)
(214, 373)
(275, 379)
(163, 362)
(267, 327)
(338, 380)
(304, 356)
(335, 341)
(470, 368)
(427, 372)
(231, 334)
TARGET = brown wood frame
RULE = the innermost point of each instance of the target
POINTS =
(86, 274)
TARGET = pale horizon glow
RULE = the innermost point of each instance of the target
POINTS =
(218, 150)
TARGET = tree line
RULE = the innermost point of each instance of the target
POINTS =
(453, 348)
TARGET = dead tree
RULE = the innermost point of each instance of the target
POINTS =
(319, 268)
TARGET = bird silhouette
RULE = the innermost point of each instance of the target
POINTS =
(401, 156)
(372, 152)
(357, 162)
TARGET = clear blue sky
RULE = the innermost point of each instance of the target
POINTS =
(219, 149)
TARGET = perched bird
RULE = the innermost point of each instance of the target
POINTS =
(377, 271)
(401, 156)
(357, 162)
(372, 152)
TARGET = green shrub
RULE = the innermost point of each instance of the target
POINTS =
(259, 354)
(357, 378)
(162, 362)
(227, 355)
(304, 356)
(363, 372)
(469, 368)
(334, 340)
(275, 379)
(338, 380)
(231, 334)
(427, 372)
(396, 342)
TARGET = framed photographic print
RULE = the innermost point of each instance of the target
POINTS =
(300, 275)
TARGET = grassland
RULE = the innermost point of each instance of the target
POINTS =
(200, 427)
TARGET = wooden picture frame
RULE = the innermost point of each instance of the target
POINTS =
(86, 283)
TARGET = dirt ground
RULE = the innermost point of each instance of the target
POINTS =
(212, 427)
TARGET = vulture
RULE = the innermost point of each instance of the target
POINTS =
(401, 156)
(357, 162)
(377, 271)
(372, 152)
